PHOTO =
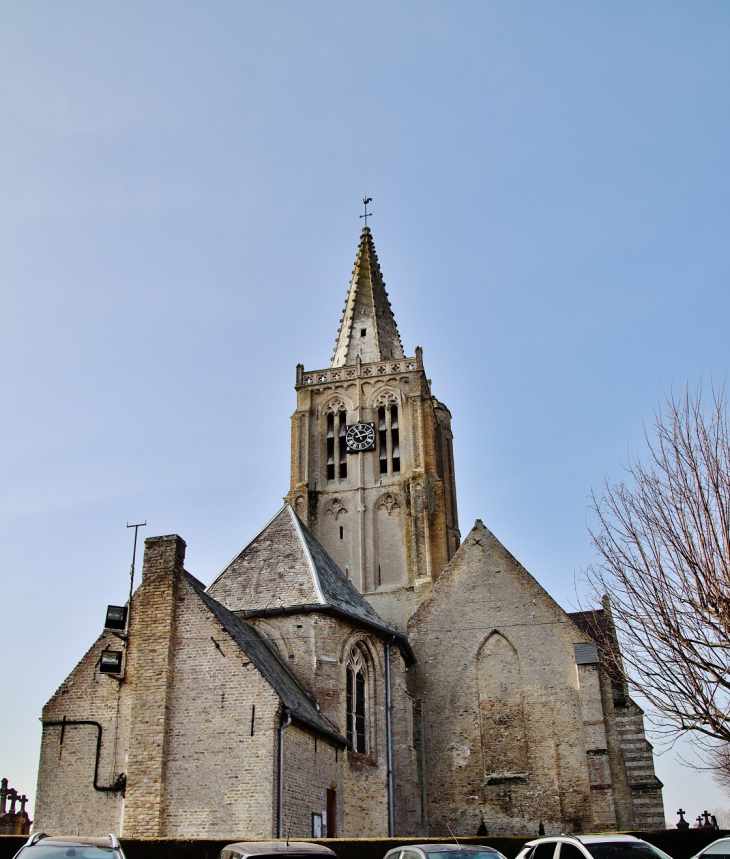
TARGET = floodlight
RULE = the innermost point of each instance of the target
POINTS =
(116, 617)
(110, 662)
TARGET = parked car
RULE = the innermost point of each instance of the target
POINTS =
(275, 849)
(450, 850)
(719, 849)
(42, 846)
(590, 847)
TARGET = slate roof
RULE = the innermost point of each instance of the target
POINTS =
(282, 681)
(337, 590)
(285, 570)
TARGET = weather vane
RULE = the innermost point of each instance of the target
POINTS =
(367, 214)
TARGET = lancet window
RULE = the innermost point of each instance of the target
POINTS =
(336, 446)
(388, 438)
(357, 701)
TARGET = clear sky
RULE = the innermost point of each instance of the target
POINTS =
(180, 186)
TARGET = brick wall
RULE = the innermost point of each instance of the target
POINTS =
(317, 647)
(149, 671)
(66, 800)
(219, 777)
(311, 766)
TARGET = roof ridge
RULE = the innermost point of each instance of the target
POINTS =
(308, 554)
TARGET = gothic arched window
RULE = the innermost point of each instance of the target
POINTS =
(357, 701)
(336, 447)
(388, 434)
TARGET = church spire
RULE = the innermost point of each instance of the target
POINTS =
(368, 326)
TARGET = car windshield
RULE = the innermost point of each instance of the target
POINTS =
(624, 850)
(69, 851)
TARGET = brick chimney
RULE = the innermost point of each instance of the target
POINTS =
(149, 675)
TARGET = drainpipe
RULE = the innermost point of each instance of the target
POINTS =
(389, 736)
(280, 798)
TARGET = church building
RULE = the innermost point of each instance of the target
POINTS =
(357, 670)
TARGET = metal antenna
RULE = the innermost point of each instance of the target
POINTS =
(453, 836)
(367, 214)
(131, 572)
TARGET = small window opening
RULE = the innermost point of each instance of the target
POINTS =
(363, 332)
(342, 533)
(382, 441)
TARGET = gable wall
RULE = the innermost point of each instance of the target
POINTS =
(178, 724)
(484, 590)
(66, 800)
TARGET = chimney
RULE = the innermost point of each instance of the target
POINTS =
(149, 675)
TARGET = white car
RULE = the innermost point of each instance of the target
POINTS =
(719, 849)
(590, 847)
(42, 846)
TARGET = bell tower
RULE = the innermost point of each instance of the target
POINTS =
(372, 466)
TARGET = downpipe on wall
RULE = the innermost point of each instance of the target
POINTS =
(120, 783)
(280, 788)
(389, 736)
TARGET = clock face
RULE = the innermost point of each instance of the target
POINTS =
(360, 437)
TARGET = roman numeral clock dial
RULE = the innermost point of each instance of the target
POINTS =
(359, 437)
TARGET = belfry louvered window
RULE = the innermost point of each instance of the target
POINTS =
(336, 446)
(394, 438)
(357, 704)
(388, 440)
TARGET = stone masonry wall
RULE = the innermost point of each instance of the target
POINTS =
(544, 772)
(645, 788)
(419, 500)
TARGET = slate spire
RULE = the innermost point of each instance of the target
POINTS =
(368, 326)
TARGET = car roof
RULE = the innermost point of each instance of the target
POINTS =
(586, 839)
(260, 847)
(73, 839)
(439, 848)
(716, 841)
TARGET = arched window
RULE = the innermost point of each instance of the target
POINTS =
(388, 434)
(336, 447)
(357, 701)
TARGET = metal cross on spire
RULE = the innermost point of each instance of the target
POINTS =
(367, 214)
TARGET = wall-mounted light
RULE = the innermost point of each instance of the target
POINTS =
(116, 617)
(110, 662)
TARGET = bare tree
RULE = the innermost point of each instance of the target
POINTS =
(663, 541)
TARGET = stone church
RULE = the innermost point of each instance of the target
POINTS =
(357, 669)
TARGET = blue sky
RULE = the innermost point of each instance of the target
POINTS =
(180, 186)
